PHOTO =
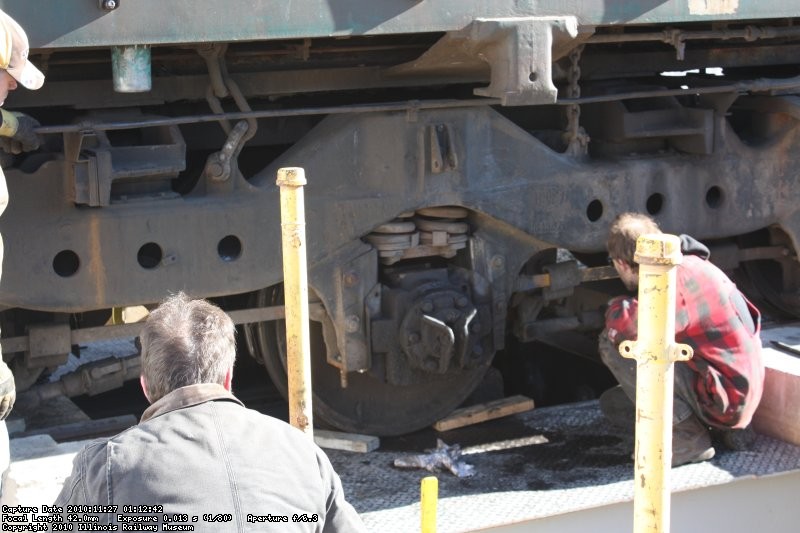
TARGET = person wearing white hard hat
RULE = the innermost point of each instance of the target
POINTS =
(17, 130)
(17, 134)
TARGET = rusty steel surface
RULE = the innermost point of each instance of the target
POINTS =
(536, 122)
(528, 186)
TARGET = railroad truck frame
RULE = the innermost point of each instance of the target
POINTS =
(464, 160)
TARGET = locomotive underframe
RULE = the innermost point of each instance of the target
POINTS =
(436, 228)
(520, 191)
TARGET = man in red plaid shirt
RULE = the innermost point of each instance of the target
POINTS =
(721, 385)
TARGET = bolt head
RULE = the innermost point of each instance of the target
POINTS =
(427, 306)
(352, 323)
(215, 171)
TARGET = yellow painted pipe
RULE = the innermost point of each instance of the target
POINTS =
(655, 351)
(429, 497)
(295, 284)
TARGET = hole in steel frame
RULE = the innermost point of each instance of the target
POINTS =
(714, 197)
(66, 263)
(594, 210)
(149, 255)
(229, 248)
(655, 202)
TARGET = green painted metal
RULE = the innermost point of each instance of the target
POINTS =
(82, 23)
(131, 68)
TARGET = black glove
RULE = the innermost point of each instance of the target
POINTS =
(8, 392)
(25, 138)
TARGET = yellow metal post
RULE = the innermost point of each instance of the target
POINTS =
(655, 351)
(295, 284)
(429, 497)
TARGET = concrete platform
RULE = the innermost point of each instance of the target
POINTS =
(38, 469)
(574, 461)
(584, 464)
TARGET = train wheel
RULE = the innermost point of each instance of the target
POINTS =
(368, 404)
(772, 283)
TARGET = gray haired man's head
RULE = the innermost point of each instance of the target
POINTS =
(185, 342)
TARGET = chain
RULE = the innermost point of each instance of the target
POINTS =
(574, 90)
(576, 138)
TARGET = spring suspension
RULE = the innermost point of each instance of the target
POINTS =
(431, 231)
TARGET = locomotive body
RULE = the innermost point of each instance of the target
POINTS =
(464, 161)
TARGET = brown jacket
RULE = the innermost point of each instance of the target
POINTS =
(199, 452)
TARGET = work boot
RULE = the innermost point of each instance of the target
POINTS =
(618, 408)
(691, 442)
(737, 440)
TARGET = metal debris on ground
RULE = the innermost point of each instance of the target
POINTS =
(443, 457)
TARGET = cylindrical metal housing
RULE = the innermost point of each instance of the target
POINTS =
(130, 66)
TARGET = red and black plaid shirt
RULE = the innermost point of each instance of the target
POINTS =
(727, 352)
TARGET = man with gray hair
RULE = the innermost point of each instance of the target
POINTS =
(199, 457)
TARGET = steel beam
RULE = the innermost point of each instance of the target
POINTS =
(78, 23)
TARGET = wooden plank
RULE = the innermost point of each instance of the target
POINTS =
(777, 414)
(483, 412)
(351, 442)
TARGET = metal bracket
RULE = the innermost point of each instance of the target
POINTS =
(443, 151)
(218, 165)
(680, 352)
(520, 54)
(92, 173)
(96, 164)
(627, 349)
(350, 297)
(675, 352)
(48, 345)
(564, 277)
